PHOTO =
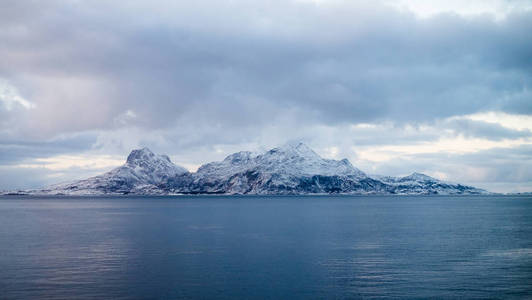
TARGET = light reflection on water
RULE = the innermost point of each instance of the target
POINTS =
(511, 253)
(265, 247)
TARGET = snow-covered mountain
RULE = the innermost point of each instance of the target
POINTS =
(142, 173)
(417, 183)
(290, 169)
(297, 169)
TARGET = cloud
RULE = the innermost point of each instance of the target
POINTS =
(11, 99)
(380, 65)
(486, 130)
(15, 151)
(498, 8)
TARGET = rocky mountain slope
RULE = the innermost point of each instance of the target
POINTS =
(141, 173)
(417, 183)
(291, 169)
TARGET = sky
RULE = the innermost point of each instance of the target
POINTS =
(438, 87)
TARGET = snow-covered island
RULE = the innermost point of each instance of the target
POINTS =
(291, 169)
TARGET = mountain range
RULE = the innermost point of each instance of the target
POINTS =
(290, 169)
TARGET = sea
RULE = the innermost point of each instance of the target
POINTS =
(266, 247)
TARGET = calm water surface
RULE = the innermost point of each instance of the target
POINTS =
(265, 247)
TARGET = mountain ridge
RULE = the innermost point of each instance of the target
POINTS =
(290, 169)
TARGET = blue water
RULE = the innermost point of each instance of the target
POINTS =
(265, 247)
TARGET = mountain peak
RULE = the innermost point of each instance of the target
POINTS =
(419, 176)
(296, 146)
(138, 155)
(296, 149)
(239, 156)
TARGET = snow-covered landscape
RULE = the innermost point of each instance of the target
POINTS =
(291, 169)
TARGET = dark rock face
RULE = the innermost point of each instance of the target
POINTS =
(254, 182)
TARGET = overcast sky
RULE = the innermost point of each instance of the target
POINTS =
(395, 86)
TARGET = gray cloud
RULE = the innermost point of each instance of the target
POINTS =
(388, 65)
(486, 130)
(15, 152)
